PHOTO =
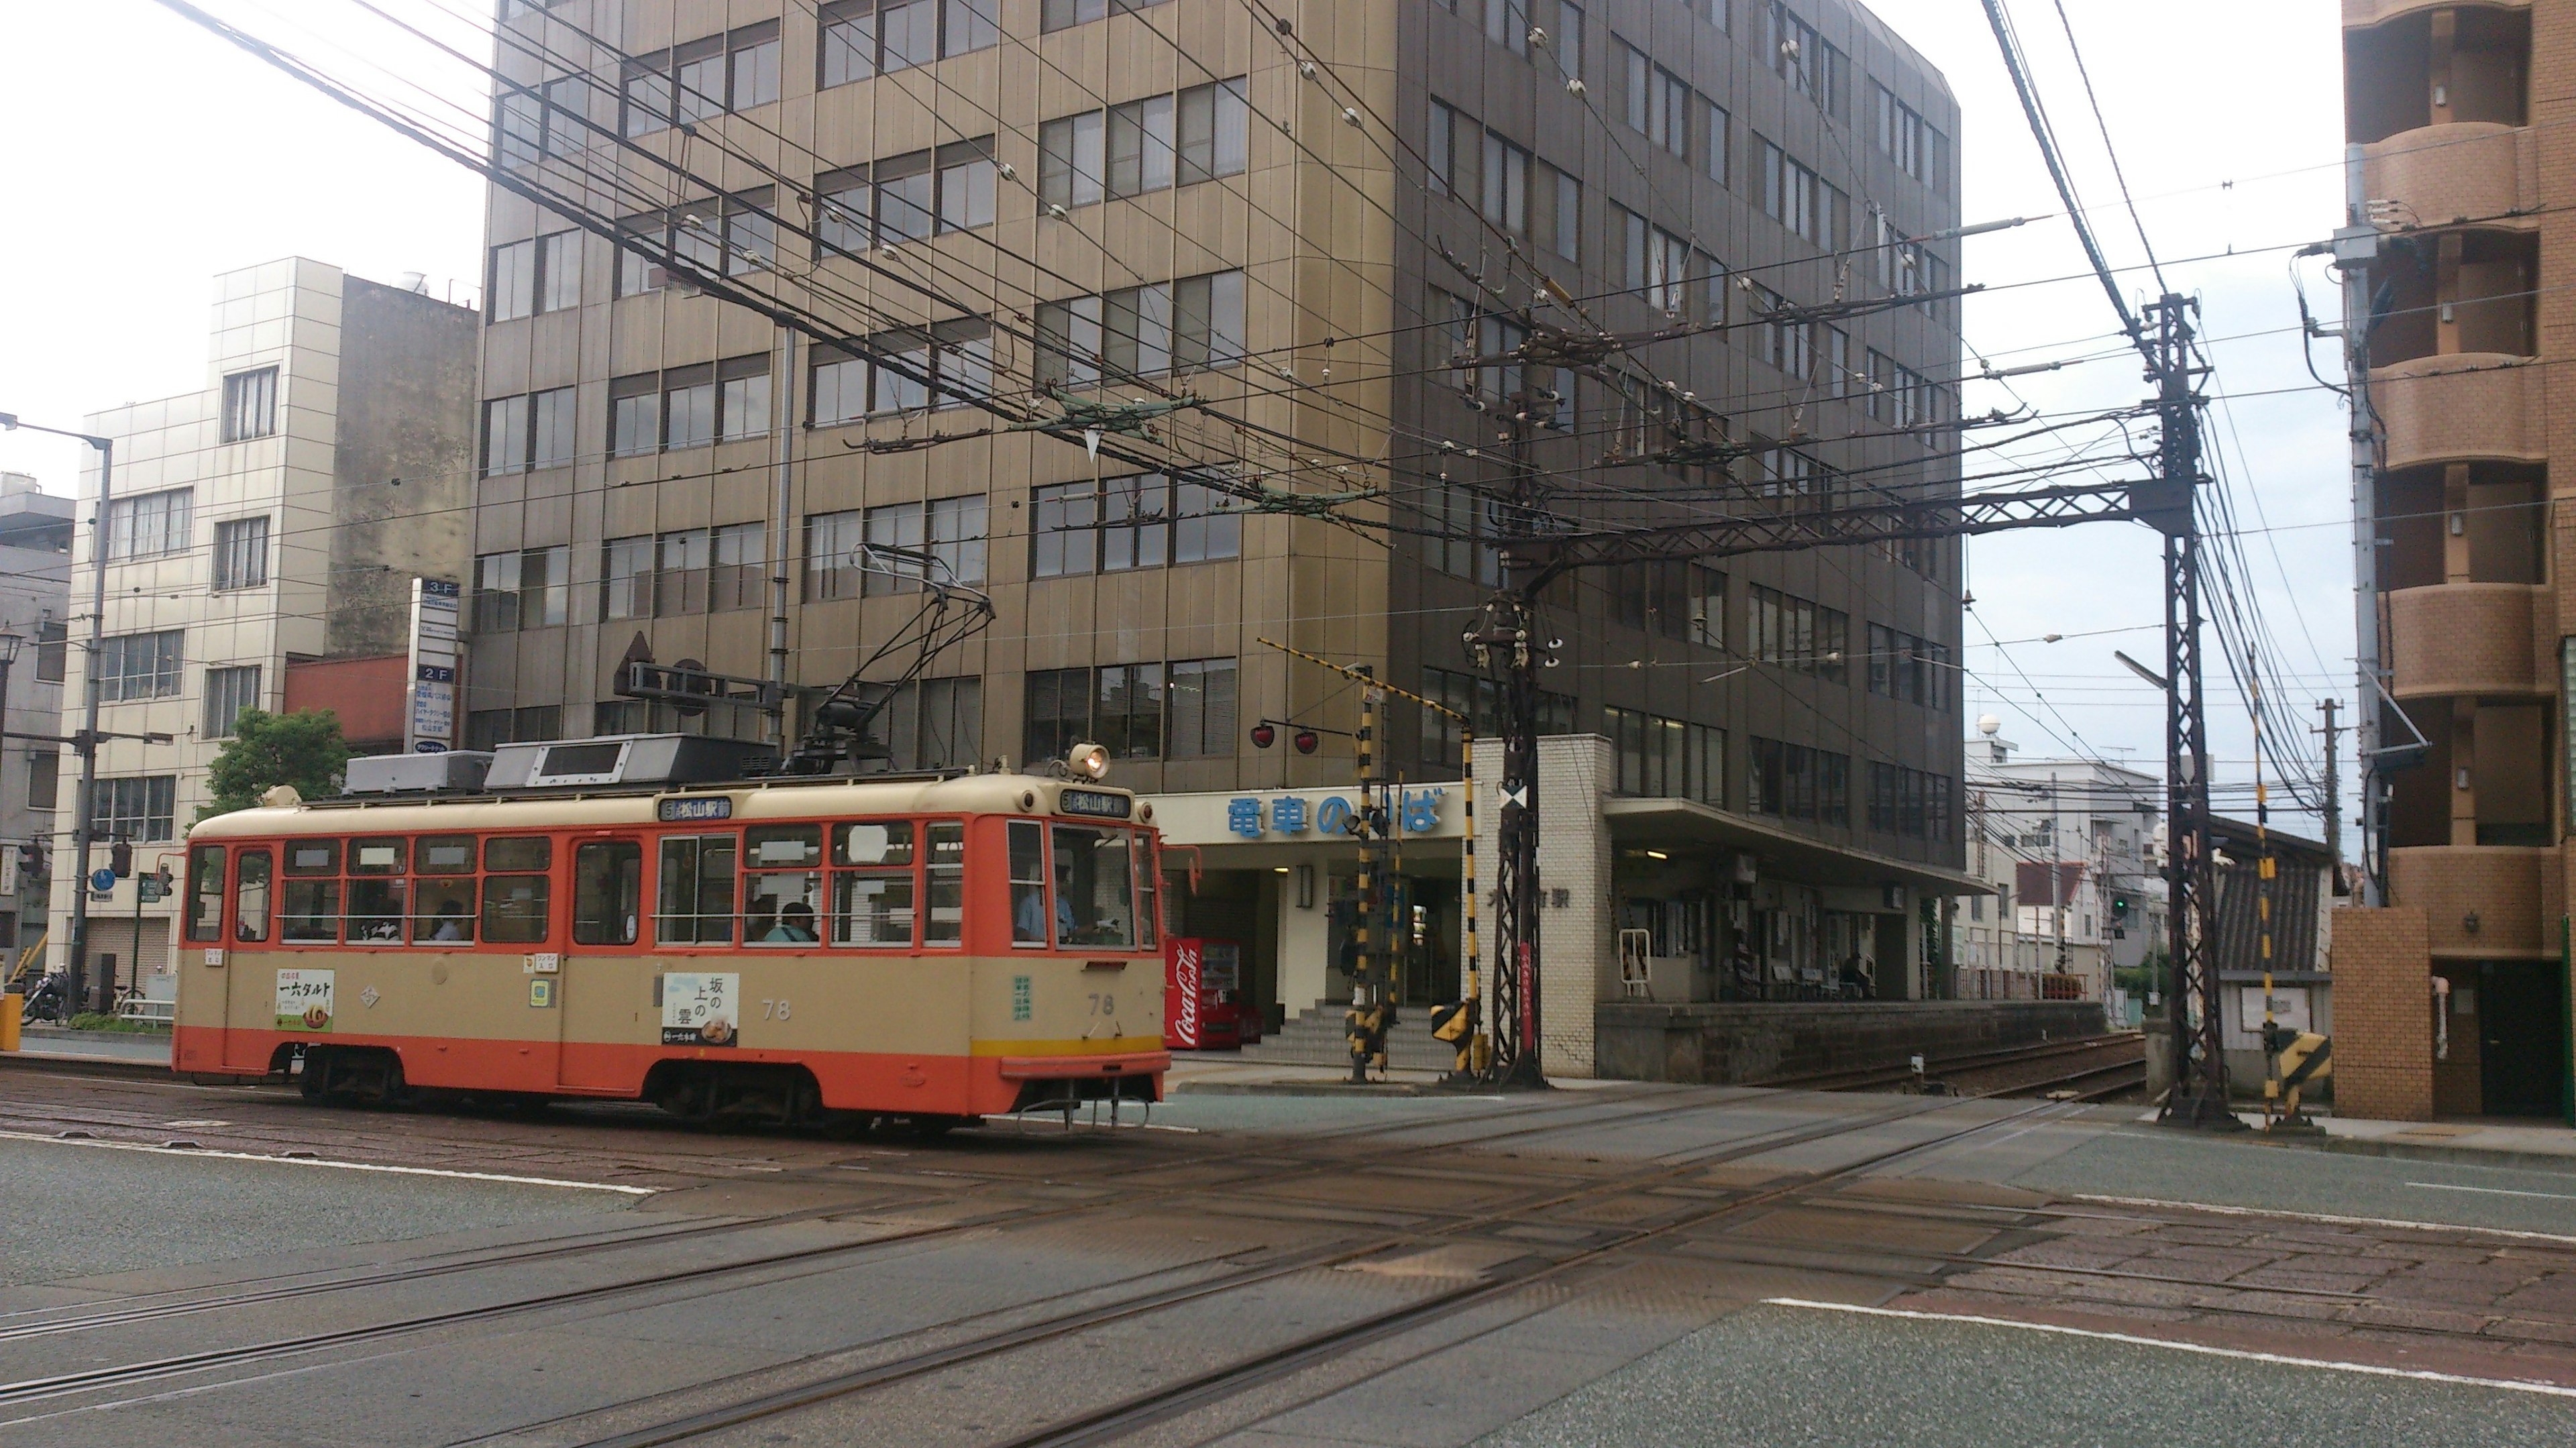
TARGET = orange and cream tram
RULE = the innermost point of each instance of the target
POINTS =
(929, 950)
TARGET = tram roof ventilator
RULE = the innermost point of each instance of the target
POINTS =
(611, 761)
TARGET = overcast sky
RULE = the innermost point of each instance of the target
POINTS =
(149, 157)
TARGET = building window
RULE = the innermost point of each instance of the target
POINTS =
(505, 436)
(832, 555)
(136, 810)
(53, 651)
(1796, 782)
(510, 291)
(634, 415)
(531, 588)
(250, 404)
(1666, 758)
(1915, 804)
(491, 728)
(1186, 325)
(1145, 145)
(1902, 666)
(1200, 696)
(1506, 169)
(150, 524)
(44, 780)
(866, 38)
(1058, 709)
(1064, 14)
(929, 724)
(702, 79)
(139, 666)
(626, 578)
(558, 271)
(540, 274)
(1145, 520)
(241, 553)
(742, 397)
(737, 555)
(1798, 635)
(228, 693)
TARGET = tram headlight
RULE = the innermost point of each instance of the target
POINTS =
(1087, 761)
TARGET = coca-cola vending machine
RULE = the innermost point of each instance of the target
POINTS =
(1203, 1006)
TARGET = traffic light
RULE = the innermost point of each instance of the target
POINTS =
(120, 859)
(2120, 907)
(1263, 735)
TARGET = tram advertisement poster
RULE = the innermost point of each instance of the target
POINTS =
(304, 999)
(701, 1008)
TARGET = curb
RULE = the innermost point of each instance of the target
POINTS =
(2564, 1164)
(1306, 1088)
(76, 1065)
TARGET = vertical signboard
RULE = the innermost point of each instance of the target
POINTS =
(429, 703)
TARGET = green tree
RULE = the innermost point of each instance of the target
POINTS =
(303, 749)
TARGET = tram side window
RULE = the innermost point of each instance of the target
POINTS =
(946, 923)
(206, 893)
(780, 889)
(872, 905)
(312, 902)
(250, 913)
(1095, 891)
(1028, 884)
(607, 891)
(697, 891)
(376, 890)
(442, 889)
(515, 904)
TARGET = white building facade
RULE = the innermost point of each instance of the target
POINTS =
(2071, 848)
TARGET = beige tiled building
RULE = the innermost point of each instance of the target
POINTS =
(2460, 113)
(990, 197)
(262, 535)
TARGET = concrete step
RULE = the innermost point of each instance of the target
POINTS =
(1314, 1038)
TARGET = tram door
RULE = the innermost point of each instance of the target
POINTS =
(246, 1009)
(602, 1000)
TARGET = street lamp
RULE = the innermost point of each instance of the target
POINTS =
(86, 741)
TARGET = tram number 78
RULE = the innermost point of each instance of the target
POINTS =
(1104, 1005)
(776, 1010)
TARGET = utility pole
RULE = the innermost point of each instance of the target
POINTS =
(1506, 641)
(2355, 247)
(86, 741)
(2334, 783)
(2199, 1095)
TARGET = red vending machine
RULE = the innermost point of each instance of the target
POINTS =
(1203, 995)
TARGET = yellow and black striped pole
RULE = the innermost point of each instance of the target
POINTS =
(1475, 1051)
(2263, 871)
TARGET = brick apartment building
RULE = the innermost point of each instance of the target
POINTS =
(2460, 113)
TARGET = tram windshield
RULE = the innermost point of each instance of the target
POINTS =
(1094, 887)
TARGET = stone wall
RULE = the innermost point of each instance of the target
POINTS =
(1755, 1041)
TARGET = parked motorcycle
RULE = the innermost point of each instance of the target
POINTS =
(50, 1000)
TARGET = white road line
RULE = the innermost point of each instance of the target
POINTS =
(427, 1171)
(2284, 1212)
(2492, 1191)
(2511, 1385)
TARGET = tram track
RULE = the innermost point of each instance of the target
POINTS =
(132, 1374)
(875, 1376)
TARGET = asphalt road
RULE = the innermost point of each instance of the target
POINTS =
(81, 1211)
(1613, 1253)
(1789, 1377)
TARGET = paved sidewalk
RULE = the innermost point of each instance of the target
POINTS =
(2534, 1143)
(41, 1045)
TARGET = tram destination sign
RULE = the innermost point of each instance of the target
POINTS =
(1099, 803)
(694, 808)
